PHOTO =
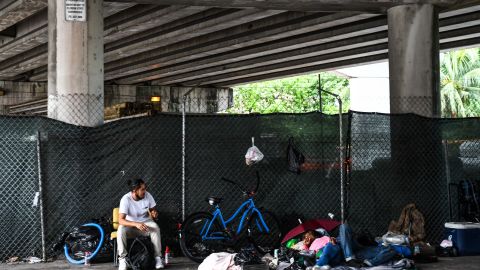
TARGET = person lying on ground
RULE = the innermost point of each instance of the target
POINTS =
(349, 251)
(311, 243)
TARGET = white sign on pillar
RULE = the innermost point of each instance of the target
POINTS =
(76, 10)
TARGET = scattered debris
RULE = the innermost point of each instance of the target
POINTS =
(13, 260)
(33, 260)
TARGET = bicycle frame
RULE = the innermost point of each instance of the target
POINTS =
(217, 214)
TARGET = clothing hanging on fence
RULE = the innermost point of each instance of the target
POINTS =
(410, 223)
(295, 158)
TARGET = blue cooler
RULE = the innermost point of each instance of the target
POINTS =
(465, 237)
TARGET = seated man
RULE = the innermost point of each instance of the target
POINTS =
(135, 218)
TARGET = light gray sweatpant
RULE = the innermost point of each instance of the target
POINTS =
(123, 233)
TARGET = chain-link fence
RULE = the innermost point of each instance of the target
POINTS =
(216, 147)
(19, 221)
(462, 166)
(394, 160)
(420, 105)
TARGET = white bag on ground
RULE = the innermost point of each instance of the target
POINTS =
(253, 154)
(395, 239)
(219, 261)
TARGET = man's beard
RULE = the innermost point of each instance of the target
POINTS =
(139, 196)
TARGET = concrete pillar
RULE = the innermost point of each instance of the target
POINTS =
(416, 169)
(413, 53)
(75, 65)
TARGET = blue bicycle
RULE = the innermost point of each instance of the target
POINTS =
(203, 233)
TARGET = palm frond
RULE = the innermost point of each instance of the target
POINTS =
(472, 78)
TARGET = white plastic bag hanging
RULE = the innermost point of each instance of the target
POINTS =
(253, 154)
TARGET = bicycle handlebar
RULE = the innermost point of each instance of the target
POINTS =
(248, 193)
(232, 182)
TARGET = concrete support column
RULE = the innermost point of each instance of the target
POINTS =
(416, 163)
(75, 65)
(413, 49)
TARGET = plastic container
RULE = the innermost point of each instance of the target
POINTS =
(465, 237)
(87, 261)
(167, 255)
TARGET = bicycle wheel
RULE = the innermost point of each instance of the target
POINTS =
(191, 242)
(263, 241)
(79, 248)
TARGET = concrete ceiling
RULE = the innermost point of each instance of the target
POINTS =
(222, 43)
(372, 6)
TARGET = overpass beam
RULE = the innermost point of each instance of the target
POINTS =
(413, 49)
(75, 65)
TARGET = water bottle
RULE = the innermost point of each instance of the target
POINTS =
(87, 263)
(167, 254)
(416, 250)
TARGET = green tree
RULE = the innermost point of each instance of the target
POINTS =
(460, 83)
(294, 95)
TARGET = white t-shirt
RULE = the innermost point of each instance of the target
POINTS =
(136, 210)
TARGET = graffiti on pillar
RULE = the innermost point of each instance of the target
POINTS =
(76, 10)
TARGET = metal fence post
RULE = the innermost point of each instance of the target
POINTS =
(183, 149)
(340, 136)
(183, 159)
(40, 191)
(448, 177)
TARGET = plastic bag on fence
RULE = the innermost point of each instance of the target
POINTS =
(294, 157)
(253, 154)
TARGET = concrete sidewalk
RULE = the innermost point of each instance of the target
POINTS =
(464, 263)
(176, 264)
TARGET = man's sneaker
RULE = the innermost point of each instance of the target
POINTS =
(159, 263)
(354, 263)
(368, 263)
(122, 264)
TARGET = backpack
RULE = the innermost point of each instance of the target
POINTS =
(469, 200)
(247, 256)
(141, 254)
(295, 159)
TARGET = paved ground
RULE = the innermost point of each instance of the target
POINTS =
(464, 263)
(176, 264)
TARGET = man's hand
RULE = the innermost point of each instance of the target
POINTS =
(333, 240)
(142, 227)
(154, 213)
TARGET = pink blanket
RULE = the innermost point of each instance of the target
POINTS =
(319, 243)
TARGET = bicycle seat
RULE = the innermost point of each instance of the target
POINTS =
(214, 200)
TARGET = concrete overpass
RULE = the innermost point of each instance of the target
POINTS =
(221, 43)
